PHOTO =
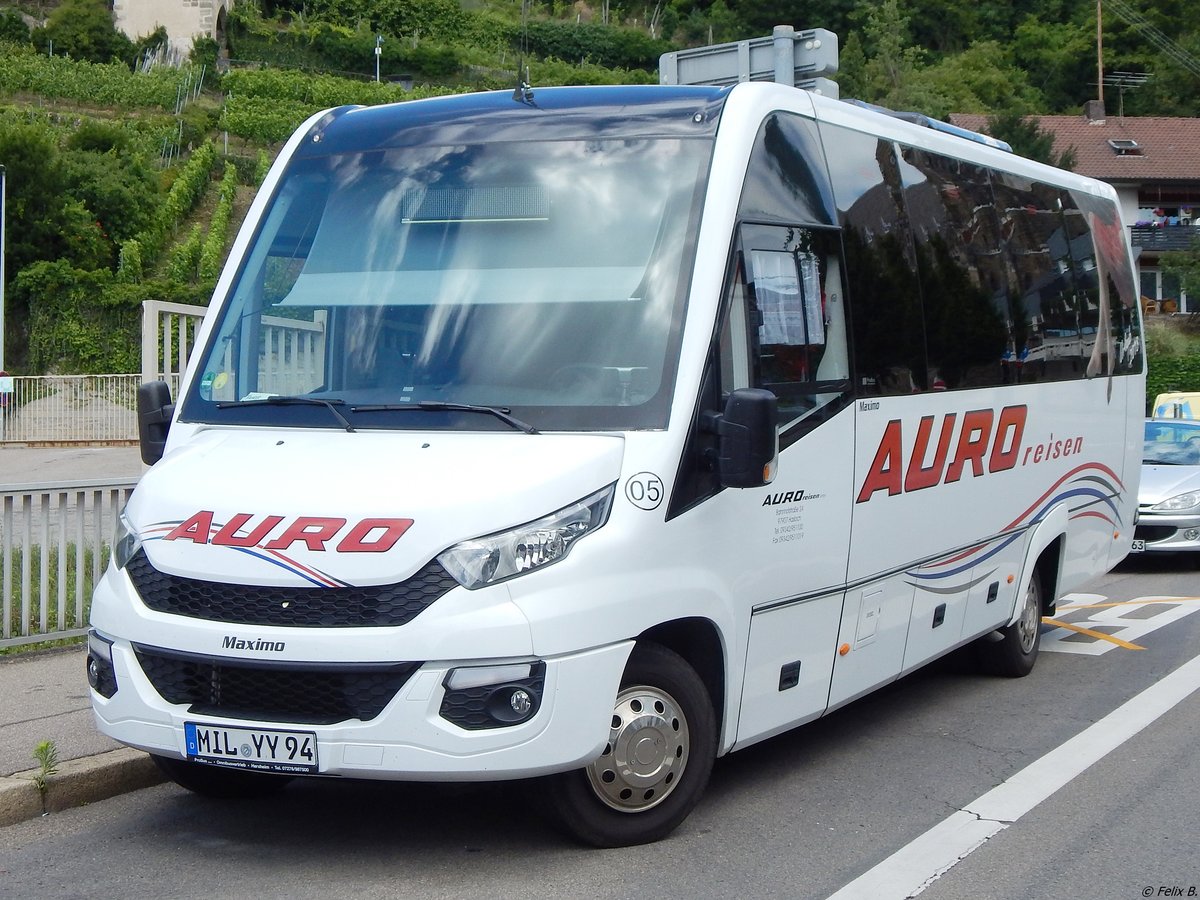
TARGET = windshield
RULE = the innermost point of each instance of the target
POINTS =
(545, 279)
(1172, 442)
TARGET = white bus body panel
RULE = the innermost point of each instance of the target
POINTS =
(808, 570)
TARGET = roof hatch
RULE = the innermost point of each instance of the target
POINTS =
(1125, 147)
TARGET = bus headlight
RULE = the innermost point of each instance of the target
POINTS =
(126, 542)
(498, 557)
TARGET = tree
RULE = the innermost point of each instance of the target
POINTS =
(35, 187)
(120, 190)
(84, 29)
(1027, 138)
(981, 79)
(1060, 58)
(890, 59)
(13, 28)
(1184, 265)
(48, 216)
(760, 16)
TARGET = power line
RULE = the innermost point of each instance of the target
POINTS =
(1156, 37)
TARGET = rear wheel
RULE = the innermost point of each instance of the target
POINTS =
(1013, 650)
(219, 782)
(660, 751)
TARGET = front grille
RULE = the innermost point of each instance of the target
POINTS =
(296, 607)
(312, 695)
(1151, 533)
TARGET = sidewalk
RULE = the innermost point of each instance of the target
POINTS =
(32, 465)
(44, 694)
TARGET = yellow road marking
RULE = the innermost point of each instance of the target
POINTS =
(1099, 635)
(1142, 602)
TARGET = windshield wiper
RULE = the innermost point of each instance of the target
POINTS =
(503, 413)
(331, 405)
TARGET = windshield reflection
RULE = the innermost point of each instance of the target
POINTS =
(541, 277)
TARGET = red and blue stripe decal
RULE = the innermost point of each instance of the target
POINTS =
(1092, 490)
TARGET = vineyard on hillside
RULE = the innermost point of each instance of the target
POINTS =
(126, 181)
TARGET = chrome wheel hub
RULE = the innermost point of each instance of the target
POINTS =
(1030, 621)
(646, 754)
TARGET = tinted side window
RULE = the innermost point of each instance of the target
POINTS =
(785, 181)
(964, 282)
(887, 328)
(1118, 347)
(1043, 319)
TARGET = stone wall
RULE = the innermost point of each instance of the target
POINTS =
(183, 19)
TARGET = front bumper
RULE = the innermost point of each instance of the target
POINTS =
(1165, 532)
(412, 737)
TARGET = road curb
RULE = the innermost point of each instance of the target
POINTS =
(77, 782)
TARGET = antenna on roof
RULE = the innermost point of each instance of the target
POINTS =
(1125, 81)
(523, 93)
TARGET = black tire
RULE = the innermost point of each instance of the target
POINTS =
(663, 710)
(218, 782)
(1012, 651)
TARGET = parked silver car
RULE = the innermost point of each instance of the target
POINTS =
(1169, 497)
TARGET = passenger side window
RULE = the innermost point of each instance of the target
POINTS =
(1116, 344)
(964, 282)
(787, 323)
(889, 331)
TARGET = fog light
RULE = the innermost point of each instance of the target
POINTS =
(521, 702)
(1191, 534)
(511, 704)
(101, 676)
(493, 696)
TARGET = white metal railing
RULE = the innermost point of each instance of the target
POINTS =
(64, 409)
(69, 409)
(54, 543)
(168, 336)
(292, 356)
(291, 353)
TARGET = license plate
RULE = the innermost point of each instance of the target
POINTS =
(260, 749)
(1138, 546)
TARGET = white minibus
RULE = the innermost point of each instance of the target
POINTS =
(591, 434)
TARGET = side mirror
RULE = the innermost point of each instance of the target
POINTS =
(749, 439)
(155, 409)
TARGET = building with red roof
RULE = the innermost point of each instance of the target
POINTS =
(1154, 164)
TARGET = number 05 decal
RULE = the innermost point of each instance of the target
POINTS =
(644, 490)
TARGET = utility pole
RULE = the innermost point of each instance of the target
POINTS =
(1100, 51)
(3, 222)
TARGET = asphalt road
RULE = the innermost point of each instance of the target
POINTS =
(874, 791)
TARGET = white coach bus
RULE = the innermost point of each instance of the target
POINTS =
(595, 434)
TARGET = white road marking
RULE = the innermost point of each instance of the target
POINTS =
(917, 865)
(1126, 621)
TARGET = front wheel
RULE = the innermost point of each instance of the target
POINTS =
(661, 746)
(1013, 650)
(219, 782)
